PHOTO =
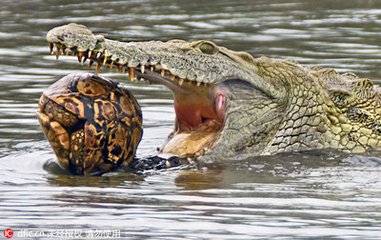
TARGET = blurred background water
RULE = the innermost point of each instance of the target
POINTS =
(322, 195)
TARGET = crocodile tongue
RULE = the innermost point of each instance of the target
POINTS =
(192, 143)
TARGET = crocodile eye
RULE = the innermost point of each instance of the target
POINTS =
(208, 48)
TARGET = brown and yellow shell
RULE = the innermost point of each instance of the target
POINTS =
(92, 123)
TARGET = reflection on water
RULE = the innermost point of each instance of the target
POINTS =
(323, 195)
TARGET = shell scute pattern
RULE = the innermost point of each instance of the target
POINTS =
(92, 123)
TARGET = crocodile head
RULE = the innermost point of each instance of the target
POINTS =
(229, 102)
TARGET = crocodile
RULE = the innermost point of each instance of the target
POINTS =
(230, 103)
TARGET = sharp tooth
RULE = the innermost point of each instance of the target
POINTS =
(151, 68)
(111, 64)
(162, 72)
(82, 60)
(142, 68)
(79, 55)
(181, 81)
(57, 52)
(198, 84)
(89, 54)
(99, 55)
(131, 74)
(97, 68)
(105, 60)
(172, 77)
(50, 47)
(120, 68)
(168, 164)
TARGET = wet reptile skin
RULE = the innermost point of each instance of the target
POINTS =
(92, 124)
(272, 105)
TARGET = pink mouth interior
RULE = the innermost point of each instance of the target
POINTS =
(195, 111)
(200, 115)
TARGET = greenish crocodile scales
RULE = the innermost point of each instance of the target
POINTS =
(230, 103)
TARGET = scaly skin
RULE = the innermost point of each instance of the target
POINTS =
(229, 103)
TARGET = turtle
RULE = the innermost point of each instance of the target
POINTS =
(92, 123)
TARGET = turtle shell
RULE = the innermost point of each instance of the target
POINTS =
(92, 123)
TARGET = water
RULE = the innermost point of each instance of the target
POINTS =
(312, 195)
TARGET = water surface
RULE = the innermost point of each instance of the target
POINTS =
(313, 195)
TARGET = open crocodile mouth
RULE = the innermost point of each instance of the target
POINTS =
(199, 107)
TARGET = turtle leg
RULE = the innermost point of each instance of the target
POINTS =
(58, 138)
